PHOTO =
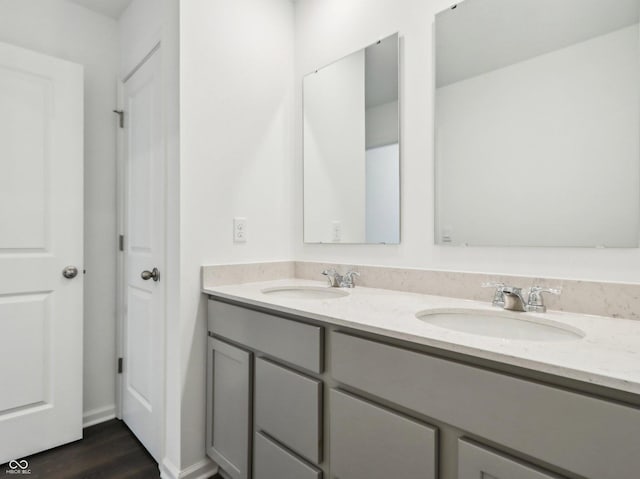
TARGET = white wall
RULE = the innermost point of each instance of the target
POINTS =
(334, 148)
(329, 29)
(545, 151)
(67, 31)
(236, 74)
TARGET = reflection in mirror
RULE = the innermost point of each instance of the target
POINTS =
(351, 148)
(537, 123)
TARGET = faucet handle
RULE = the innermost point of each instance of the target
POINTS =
(498, 297)
(348, 279)
(538, 289)
(535, 302)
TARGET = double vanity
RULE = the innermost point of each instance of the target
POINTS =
(308, 381)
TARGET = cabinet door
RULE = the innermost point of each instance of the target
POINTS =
(229, 408)
(370, 442)
(475, 462)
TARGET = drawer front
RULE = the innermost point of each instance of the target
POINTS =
(475, 462)
(287, 408)
(293, 342)
(273, 462)
(590, 437)
(370, 442)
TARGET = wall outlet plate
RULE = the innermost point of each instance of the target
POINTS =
(336, 231)
(239, 230)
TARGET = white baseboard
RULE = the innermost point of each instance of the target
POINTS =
(203, 469)
(96, 416)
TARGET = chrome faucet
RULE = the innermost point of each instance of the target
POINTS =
(512, 298)
(337, 280)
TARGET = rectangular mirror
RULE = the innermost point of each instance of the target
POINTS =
(537, 123)
(352, 148)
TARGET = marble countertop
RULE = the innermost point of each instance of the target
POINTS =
(608, 355)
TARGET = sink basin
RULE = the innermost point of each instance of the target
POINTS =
(305, 292)
(500, 324)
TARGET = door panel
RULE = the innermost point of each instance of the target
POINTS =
(28, 317)
(140, 351)
(23, 187)
(143, 327)
(41, 227)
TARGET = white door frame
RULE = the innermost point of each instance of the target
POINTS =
(121, 192)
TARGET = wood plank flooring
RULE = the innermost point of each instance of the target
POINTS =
(108, 450)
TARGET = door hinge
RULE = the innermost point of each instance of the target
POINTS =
(120, 361)
(120, 114)
(121, 243)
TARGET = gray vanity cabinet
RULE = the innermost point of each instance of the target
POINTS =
(229, 408)
(371, 442)
(277, 410)
(475, 462)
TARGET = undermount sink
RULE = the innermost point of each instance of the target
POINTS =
(305, 292)
(500, 324)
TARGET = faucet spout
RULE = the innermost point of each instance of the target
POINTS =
(513, 299)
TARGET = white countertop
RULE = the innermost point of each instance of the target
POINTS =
(608, 355)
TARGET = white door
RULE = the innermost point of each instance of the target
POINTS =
(144, 205)
(41, 233)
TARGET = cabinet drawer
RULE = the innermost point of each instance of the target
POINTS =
(273, 462)
(590, 437)
(475, 462)
(370, 442)
(291, 341)
(287, 408)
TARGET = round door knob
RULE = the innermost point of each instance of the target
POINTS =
(70, 272)
(153, 274)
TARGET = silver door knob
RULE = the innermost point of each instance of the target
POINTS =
(153, 274)
(70, 272)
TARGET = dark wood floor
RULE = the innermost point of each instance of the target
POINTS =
(107, 451)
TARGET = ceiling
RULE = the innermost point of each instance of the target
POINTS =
(479, 36)
(110, 8)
